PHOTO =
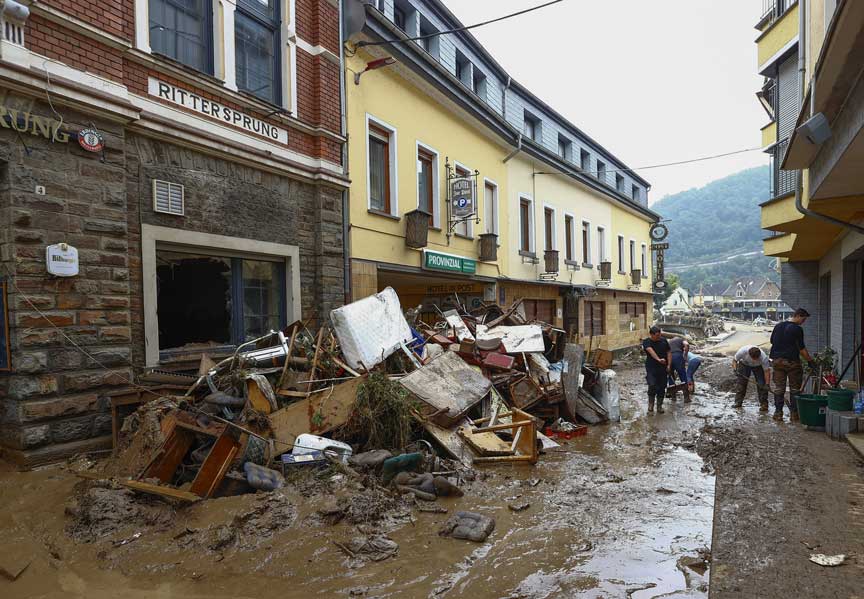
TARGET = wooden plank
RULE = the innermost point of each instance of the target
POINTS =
(170, 454)
(288, 355)
(328, 409)
(215, 466)
(168, 492)
(315, 359)
(454, 445)
(484, 444)
(287, 393)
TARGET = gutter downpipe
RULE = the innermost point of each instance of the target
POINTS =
(802, 68)
(346, 217)
(516, 150)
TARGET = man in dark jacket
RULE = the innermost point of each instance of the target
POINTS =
(787, 350)
(658, 365)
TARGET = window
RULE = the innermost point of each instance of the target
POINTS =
(479, 86)
(542, 310)
(601, 243)
(585, 160)
(183, 30)
(430, 44)
(427, 183)
(595, 319)
(644, 261)
(399, 17)
(631, 317)
(586, 243)
(569, 250)
(632, 255)
(620, 254)
(549, 228)
(619, 182)
(490, 206)
(463, 69)
(564, 147)
(207, 298)
(634, 191)
(381, 168)
(531, 127)
(601, 170)
(525, 225)
(256, 31)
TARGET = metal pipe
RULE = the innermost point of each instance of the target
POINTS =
(516, 151)
(346, 217)
(799, 183)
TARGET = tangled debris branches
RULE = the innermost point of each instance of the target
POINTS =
(382, 415)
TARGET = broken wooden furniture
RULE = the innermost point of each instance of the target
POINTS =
(182, 434)
(522, 429)
(126, 401)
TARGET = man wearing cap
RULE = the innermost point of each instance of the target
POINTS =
(658, 365)
(752, 361)
(787, 350)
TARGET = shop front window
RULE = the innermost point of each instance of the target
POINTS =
(217, 300)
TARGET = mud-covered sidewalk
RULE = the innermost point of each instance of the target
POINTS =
(783, 494)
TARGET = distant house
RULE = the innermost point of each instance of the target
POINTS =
(749, 298)
(679, 302)
(707, 296)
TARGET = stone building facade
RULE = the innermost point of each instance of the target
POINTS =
(205, 190)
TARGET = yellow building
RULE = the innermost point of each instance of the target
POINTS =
(811, 55)
(435, 120)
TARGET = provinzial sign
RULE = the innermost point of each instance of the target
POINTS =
(215, 110)
(462, 196)
(659, 246)
(448, 262)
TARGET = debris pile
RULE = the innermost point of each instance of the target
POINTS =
(404, 409)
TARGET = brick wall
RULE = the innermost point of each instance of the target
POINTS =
(799, 282)
(64, 45)
(113, 16)
(53, 396)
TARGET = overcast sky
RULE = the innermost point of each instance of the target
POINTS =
(654, 81)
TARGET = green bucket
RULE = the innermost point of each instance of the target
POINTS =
(840, 399)
(812, 409)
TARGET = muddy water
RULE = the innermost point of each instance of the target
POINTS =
(617, 513)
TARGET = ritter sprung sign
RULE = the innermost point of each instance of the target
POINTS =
(215, 110)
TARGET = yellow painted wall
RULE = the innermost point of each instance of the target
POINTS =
(636, 228)
(769, 134)
(417, 117)
(780, 33)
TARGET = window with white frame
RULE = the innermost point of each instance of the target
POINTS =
(644, 261)
(381, 167)
(586, 243)
(490, 206)
(632, 255)
(183, 30)
(256, 34)
(569, 238)
(601, 244)
(620, 254)
(549, 228)
(427, 183)
(526, 225)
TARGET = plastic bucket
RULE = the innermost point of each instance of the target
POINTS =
(812, 409)
(840, 399)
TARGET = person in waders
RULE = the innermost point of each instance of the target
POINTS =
(658, 365)
(752, 361)
(787, 351)
(679, 354)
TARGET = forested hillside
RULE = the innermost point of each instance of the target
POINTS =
(714, 231)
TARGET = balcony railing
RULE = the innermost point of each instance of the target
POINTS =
(773, 10)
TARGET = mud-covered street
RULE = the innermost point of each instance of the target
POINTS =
(625, 511)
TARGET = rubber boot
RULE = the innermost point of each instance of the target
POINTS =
(687, 396)
(660, 409)
(778, 414)
(650, 405)
(763, 406)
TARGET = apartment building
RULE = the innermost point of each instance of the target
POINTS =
(811, 55)
(171, 178)
(556, 220)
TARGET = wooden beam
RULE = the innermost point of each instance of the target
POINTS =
(167, 492)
